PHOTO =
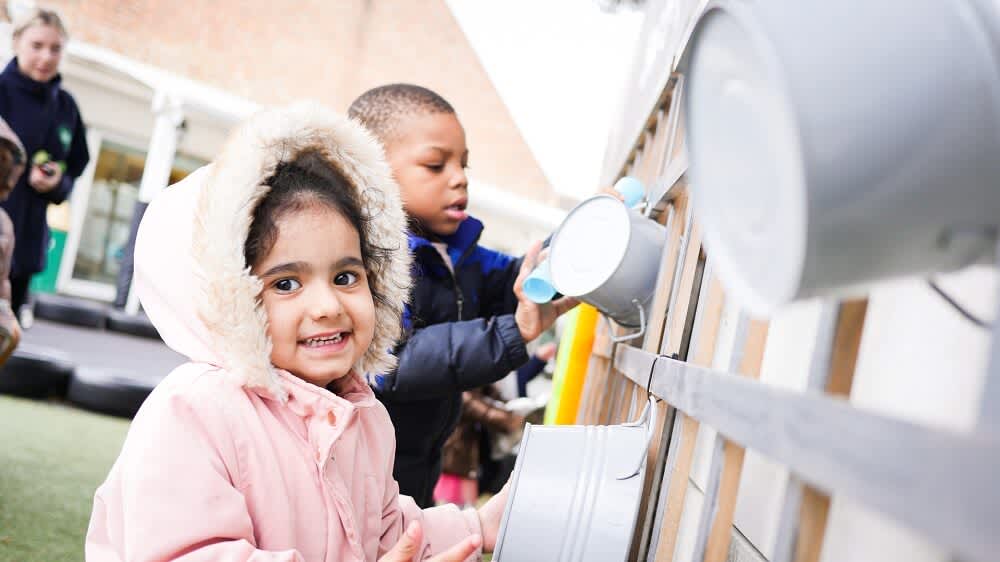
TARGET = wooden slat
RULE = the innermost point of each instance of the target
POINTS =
(679, 458)
(668, 262)
(937, 482)
(596, 379)
(678, 315)
(815, 504)
(656, 457)
(733, 453)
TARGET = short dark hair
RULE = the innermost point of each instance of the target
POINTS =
(307, 181)
(381, 109)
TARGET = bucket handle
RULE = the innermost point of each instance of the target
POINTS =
(633, 335)
(648, 419)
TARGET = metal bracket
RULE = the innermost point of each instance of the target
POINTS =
(630, 336)
(646, 418)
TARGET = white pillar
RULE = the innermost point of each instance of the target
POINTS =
(169, 115)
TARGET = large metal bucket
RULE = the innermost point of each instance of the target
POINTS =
(838, 144)
(607, 256)
(575, 493)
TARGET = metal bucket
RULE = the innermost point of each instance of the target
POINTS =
(837, 144)
(575, 492)
(607, 256)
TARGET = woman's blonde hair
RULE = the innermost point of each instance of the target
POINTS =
(39, 16)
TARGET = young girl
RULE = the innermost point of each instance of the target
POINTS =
(280, 271)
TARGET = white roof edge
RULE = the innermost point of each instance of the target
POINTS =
(497, 201)
(190, 93)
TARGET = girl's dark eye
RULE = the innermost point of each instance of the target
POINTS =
(346, 278)
(434, 167)
(286, 285)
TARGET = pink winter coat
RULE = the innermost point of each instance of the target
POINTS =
(231, 459)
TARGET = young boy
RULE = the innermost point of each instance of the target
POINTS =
(467, 322)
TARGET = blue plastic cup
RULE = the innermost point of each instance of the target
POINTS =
(631, 189)
(538, 285)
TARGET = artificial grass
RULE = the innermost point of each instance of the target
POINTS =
(52, 458)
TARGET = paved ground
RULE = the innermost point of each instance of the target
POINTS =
(90, 347)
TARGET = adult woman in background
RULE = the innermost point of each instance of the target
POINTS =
(47, 120)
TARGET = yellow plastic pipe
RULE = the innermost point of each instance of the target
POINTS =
(575, 347)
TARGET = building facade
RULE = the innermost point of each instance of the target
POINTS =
(159, 87)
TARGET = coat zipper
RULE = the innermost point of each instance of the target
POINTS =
(459, 298)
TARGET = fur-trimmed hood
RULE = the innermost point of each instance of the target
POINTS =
(190, 273)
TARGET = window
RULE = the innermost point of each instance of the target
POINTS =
(113, 194)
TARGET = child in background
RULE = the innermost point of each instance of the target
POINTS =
(465, 451)
(280, 272)
(467, 321)
(13, 161)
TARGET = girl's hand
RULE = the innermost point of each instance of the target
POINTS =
(533, 318)
(406, 548)
(45, 177)
(490, 516)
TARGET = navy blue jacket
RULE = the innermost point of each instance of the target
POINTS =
(45, 117)
(460, 334)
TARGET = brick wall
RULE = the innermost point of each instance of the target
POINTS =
(330, 50)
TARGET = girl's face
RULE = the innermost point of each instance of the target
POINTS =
(39, 49)
(320, 312)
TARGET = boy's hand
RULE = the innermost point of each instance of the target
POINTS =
(533, 318)
(490, 515)
(409, 543)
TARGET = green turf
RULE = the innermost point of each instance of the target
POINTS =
(52, 458)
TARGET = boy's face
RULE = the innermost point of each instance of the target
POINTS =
(428, 158)
(320, 312)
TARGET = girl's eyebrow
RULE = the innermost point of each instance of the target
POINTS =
(301, 266)
(349, 261)
(290, 267)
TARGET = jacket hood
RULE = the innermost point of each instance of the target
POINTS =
(190, 273)
(19, 158)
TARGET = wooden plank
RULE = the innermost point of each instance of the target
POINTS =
(709, 506)
(678, 315)
(597, 380)
(655, 459)
(655, 469)
(844, 356)
(597, 367)
(676, 474)
(802, 521)
(733, 453)
(677, 490)
(935, 481)
(676, 226)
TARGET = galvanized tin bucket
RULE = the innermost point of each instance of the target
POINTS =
(608, 256)
(575, 492)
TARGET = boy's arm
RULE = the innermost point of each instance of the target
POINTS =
(500, 271)
(451, 357)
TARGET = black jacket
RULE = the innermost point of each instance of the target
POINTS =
(460, 335)
(45, 117)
